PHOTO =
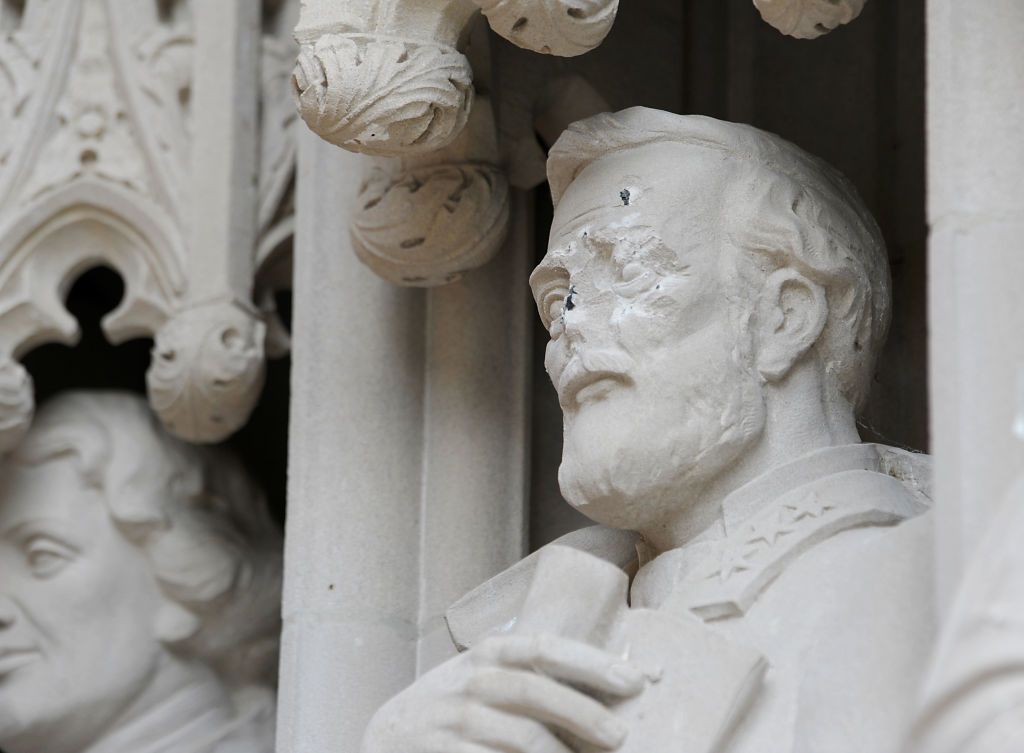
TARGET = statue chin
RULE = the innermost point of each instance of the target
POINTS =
(624, 491)
(636, 475)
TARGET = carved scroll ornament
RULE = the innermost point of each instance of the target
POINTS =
(207, 368)
(808, 19)
(102, 163)
(384, 78)
(553, 27)
(391, 79)
(424, 221)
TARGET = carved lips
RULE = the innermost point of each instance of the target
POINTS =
(15, 658)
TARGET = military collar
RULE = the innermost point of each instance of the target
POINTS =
(770, 521)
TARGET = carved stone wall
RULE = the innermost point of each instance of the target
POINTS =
(130, 136)
(159, 139)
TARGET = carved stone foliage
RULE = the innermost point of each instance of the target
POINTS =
(808, 19)
(553, 27)
(424, 221)
(102, 148)
(384, 78)
(382, 96)
(207, 368)
(391, 78)
(395, 81)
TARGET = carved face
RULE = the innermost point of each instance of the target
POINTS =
(77, 611)
(647, 350)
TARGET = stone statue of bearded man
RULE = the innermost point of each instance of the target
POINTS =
(716, 300)
(139, 589)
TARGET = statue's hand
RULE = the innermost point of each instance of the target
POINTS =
(509, 693)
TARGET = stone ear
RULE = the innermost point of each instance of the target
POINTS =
(174, 623)
(792, 312)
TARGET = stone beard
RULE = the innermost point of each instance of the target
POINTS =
(139, 580)
(715, 299)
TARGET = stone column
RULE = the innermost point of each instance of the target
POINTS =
(976, 316)
(407, 470)
(208, 359)
(476, 431)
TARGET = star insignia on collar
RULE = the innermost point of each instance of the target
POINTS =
(768, 530)
(731, 561)
(810, 506)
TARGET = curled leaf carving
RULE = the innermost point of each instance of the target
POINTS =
(808, 19)
(555, 27)
(207, 370)
(427, 226)
(383, 96)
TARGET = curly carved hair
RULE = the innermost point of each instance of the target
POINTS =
(201, 522)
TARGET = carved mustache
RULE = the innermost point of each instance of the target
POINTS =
(587, 367)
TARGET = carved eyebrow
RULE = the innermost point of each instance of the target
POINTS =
(24, 529)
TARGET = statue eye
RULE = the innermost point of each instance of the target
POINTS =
(46, 557)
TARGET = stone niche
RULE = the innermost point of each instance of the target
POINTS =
(852, 97)
(262, 443)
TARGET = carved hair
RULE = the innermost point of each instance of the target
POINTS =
(795, 211)
(201, 522)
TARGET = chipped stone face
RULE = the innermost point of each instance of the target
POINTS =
(649, 292)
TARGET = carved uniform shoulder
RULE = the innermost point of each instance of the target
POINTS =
(847, 629)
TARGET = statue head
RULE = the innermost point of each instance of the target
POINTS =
(131, 564)
(709, 289)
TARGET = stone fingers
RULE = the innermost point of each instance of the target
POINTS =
(544, 700)
(567, 661)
